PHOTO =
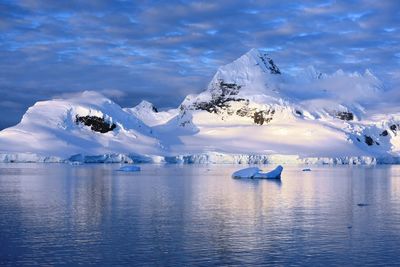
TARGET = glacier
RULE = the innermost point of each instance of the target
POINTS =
(252, 112)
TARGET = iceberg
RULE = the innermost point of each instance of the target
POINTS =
(257, 173)
(129, 168)
(246, 173)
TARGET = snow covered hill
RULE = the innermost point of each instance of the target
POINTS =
(87, 123)
(251, 112)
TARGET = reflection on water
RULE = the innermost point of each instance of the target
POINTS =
(54, 214)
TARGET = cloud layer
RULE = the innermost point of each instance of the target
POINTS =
(163, 50)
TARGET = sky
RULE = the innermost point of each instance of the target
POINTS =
(163, 50)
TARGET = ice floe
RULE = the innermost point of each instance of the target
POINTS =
(257, 173)
(129, 168)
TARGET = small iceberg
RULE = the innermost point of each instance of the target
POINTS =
(257, 173)
(75, 163)
(129, 168)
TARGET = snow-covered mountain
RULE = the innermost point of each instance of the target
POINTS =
(85, 123)
(251, 111)
(150, 115)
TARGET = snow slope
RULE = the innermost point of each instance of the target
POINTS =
(251, 112)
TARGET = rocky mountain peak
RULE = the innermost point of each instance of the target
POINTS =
(145, 105)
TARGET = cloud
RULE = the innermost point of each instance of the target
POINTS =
(162, 50)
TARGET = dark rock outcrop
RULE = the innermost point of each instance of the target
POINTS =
(221, 104)
(223, 89)
(345, 116)
(270, 64)
(215, 104)
(96, 124)
(259, 116)
(245, 111)
(368, 140)
(262, 116)
(384, 133)
(221, 101)
(221, 96)
(228, 88)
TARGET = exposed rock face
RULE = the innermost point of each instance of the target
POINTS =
(245, 111)
(223, 89)
(96, 124)
(222, 100)
(220, 104)
(345, 116)
(259, 116)
(221, 96)
(215, 104)
(269, 63)
(368, 140)
(393, 128)
(263, 116)
(384, 133)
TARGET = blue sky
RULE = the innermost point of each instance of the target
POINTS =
(162, 50)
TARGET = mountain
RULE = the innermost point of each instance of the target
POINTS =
(150, 115)
(85, 123)
(251, 112)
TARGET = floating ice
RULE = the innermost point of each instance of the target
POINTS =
(129, 168)
(246, 173)
(257, 173)
(75, 163)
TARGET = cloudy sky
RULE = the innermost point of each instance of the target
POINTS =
(162, 50)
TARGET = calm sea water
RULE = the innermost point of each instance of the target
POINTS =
(196, 215)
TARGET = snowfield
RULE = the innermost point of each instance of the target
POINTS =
(251, 112)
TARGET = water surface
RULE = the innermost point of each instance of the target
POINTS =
(54, 214)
